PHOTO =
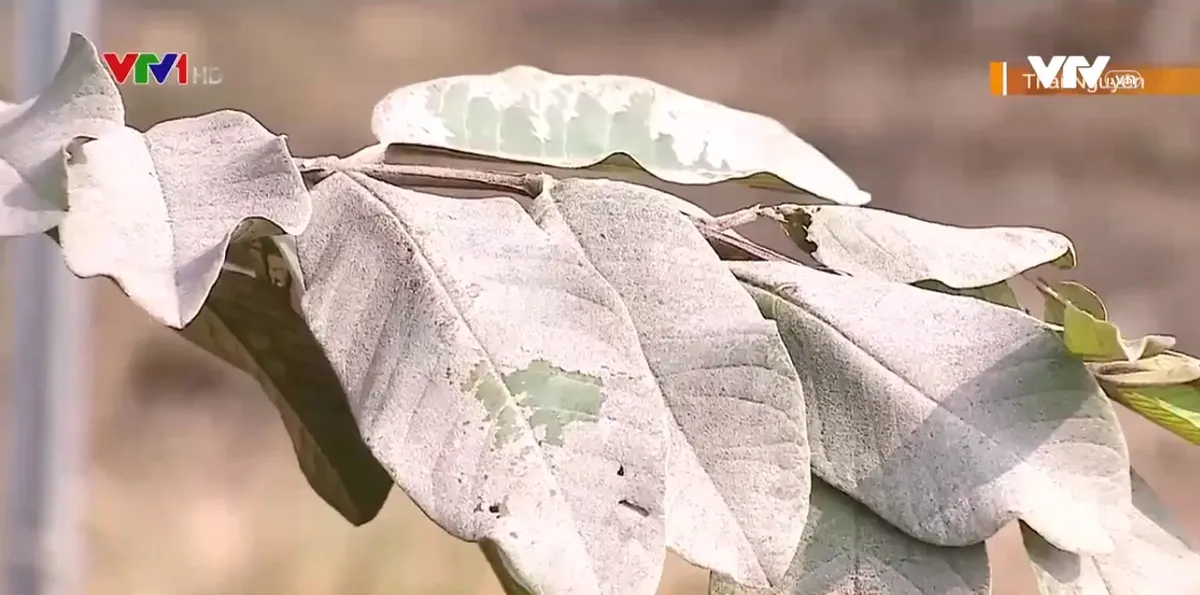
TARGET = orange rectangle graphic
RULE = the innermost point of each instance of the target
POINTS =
(997, 73)
(1016, 78)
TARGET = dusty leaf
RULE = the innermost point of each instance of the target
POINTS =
(882, 245)
(155, 212)
(523, 404)
(1152, 556)
(82, 99)
(496, 376)
(714, 358)
(252, 321)
(528, 115)
(848, 550)
(948, 435)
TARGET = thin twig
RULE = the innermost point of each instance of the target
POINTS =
(428, 176)
(738, 218)
(727, 245)
(731, 246)
(1043, 286)
(735, 247)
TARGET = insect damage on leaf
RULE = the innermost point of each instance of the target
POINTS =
(549, 398)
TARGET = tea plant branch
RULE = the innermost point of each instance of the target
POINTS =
(426, 176)
(577, 470)
(727, 246)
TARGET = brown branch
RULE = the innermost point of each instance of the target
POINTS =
(734, 247)
(728, 246)
(426, 176)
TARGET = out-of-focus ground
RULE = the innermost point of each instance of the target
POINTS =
(194, 487)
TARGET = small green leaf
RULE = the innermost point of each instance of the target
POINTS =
(1074, 293)
(1101, 341)
(1175, 408)
(1164, 389)
(1086, 329)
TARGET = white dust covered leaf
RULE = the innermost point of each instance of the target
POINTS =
(882, 245)
(737, 490)
(156, 211)
(496, 376)
(82, 99)
(1153, 557)
(948, 416)
(501, 379)
(848, 550)
(528, 115)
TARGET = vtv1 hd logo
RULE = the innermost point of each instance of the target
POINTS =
(147, 66)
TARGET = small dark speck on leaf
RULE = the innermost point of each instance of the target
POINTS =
(494, 509)
(634, 507)
(621, 470)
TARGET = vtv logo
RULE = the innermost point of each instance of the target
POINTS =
(1073, 69)
(144, 65)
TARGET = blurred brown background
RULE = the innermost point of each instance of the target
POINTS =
(194, 487)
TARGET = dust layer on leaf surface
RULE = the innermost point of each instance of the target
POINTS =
(548, 397)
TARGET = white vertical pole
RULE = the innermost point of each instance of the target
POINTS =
(50, 404)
